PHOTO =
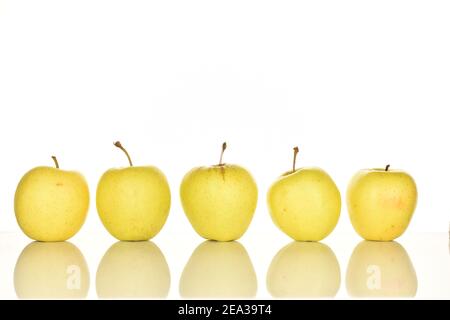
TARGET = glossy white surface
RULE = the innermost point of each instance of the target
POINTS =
(343, 266)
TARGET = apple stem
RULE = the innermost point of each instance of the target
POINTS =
(56, 162)
(387, 167)
(295, 158)
(224, 147)
(119, 145)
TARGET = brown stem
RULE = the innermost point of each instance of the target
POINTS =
(56, 162)
(387, 167)
(119, 145)
(295, 158)
(224, 147)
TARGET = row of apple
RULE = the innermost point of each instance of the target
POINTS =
(299, 269)
(219, 200)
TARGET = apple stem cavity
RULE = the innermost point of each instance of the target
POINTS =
(295, 158)
(119, 145)
(224, 147)
(387, 168)
(56, 162)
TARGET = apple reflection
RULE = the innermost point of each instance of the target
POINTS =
(133, 270)
(51, 270)
(380, 269)
(304, 270)
(219, 270)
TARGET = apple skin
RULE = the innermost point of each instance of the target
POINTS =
(219, 201)
(381, 203)
(219, 270)
(133, 270)
(133, 202)
(380, 269)
(305, 204)
(55, 270)
(51, 204)
(304, 269)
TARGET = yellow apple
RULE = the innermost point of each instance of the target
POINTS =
(304, 269)
(304, 203)
(51, 204)
(218, 270)
(381, 203)
(133, 203)
(219, 200)
(51, 271)
(380, 269)
(133, 270)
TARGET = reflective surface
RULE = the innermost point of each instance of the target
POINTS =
(133, 270)
(219, 270)
(415, 266)
(304, 269)
(51, 271)
(380, 269)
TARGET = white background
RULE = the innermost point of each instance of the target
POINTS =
(354, 84)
